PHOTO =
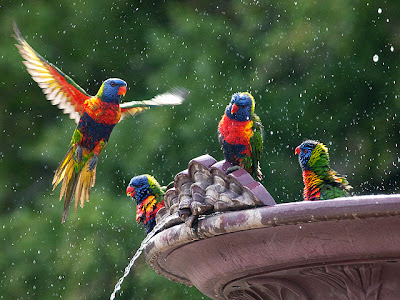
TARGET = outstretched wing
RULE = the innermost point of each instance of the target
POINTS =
(173, 97)
(58, 87)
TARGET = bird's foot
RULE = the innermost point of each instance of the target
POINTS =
(78, 154)
(184, 214)
(93, 162)
(232, 169)
(192, 221)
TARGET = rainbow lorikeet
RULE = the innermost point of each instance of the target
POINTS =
(148, 194)
(320, 181)
(95, 116)
(240, 134)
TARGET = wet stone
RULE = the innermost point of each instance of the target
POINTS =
(204, 188)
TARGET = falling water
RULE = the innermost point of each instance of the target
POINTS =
(168, 222)
(133, 259)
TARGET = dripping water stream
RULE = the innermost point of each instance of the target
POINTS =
(171, 220)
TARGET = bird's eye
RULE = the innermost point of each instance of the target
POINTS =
(305, 151)
(112, 83)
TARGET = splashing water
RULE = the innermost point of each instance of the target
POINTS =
(168, 222)
(132, 261)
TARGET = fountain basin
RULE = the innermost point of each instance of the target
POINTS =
(345, 248)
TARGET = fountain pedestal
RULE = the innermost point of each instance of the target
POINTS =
(346, 248)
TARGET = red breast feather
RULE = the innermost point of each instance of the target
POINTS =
(235, 137)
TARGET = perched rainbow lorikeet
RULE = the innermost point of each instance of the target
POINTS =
(148, 194)
(320, 181)
(96, 117)
(240, 134)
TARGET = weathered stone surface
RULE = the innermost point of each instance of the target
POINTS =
(205, 188)
(345, 248)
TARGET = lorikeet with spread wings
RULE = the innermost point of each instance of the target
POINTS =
(240, 134)
(96, 117)
(320, 181)
(148, 194)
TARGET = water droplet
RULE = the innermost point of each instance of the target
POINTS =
(379, 10)
(391, 48)
(375, 58)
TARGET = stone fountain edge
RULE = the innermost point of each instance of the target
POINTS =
(295, 213)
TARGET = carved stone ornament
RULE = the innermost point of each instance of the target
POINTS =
(205, 188)
(266, 288)
(350, 282)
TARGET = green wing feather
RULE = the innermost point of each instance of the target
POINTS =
(256, 142)
(334, 186)
(58, 87)
(331, 192)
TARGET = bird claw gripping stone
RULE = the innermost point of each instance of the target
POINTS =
(232, 169)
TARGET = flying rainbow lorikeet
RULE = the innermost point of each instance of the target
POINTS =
(95, 116)
(320, 181)
(240, 134)
(148, 194)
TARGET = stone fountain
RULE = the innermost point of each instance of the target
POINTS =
(226, 236)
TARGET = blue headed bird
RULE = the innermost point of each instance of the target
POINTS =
(240, 134)
(148, 194)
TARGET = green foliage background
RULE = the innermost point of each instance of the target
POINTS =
(309, 65)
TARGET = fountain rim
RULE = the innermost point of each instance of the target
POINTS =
(285, 214)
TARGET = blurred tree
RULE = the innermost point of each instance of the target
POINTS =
(327, 72)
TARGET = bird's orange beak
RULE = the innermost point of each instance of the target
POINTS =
(234, 109)
(122, 90)
(130, 191)
(297, 151)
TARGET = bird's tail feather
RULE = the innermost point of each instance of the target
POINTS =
(69, 193)
(64, 171)
(260, 175)
(85, 183)
(79, 183)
